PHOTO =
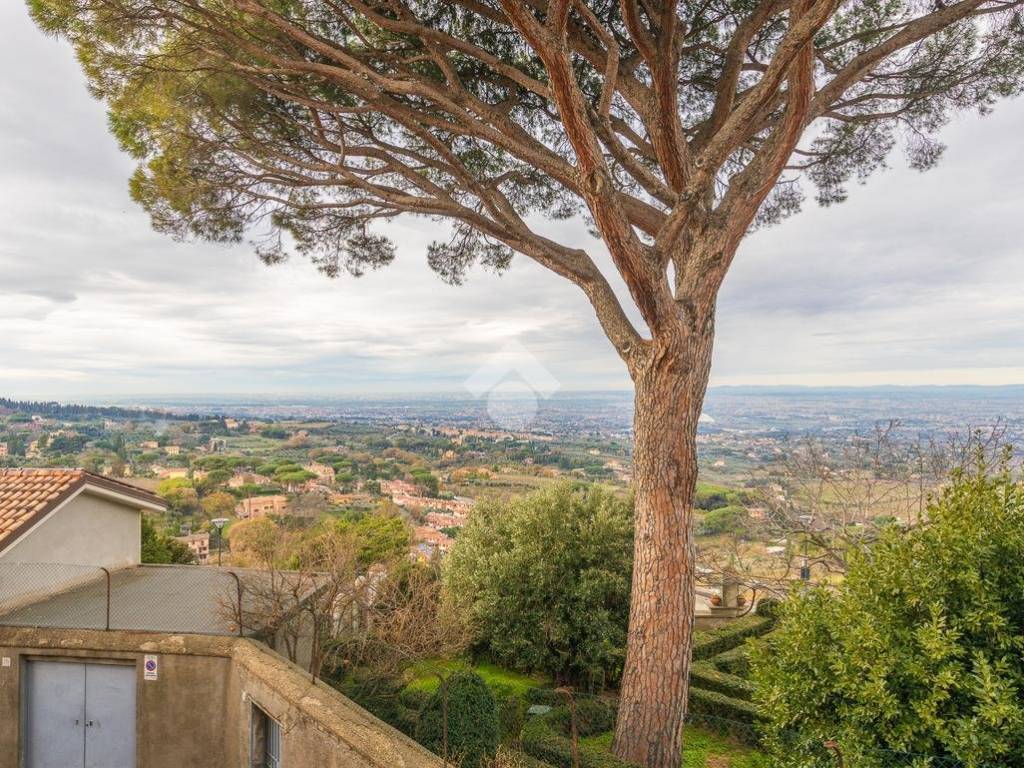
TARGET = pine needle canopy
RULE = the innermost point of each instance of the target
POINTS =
(306, 121)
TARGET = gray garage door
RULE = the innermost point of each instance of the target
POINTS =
(79, 715)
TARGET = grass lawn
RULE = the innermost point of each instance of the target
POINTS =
(705, 749)
(424, 676)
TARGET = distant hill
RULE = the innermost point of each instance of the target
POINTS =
(55, 410)
(886, 391)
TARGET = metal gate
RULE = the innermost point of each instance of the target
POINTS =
(78, 715)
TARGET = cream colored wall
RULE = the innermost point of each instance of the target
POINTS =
(88, 530)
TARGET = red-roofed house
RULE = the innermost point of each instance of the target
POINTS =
(71, 517)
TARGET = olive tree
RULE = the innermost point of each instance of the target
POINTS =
(674, 126)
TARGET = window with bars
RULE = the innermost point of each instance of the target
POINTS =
(265, 741)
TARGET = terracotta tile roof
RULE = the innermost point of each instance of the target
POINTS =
(28, 495)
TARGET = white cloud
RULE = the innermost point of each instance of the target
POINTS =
(915, 279)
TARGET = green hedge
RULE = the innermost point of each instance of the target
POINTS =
(723, 713)
(472, 719)
(712, 642)
(734, 662)
(705, 676)
(414, 698)
(546, 696)
(406, 720)
(511, 717)
(593, 716)
(768, 607)
(541, 741)
(719, 705)
(523, 760)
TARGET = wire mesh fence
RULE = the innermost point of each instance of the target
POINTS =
(52, 595)
(151, 598)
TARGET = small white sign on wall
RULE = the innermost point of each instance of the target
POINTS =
(5, 662)
(151, 667)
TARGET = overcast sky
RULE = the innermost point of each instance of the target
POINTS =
(917, 279)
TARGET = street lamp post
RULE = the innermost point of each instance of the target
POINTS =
(219, 523)
(805, 568)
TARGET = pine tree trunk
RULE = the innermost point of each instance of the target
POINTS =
(669, 395)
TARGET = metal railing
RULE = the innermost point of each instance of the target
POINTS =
(156, 598)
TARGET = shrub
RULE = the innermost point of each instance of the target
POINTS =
(734, 662)
(712, 642)
(511, 718)
(724, 520)
(558, 559)
(768, 607)
(377, 695)
(593, 716)
(919, 648)
(546, 696)
(705, 676)
(472, 716)
(723, 713)
(406, 719)
(542, 741)
(511, 758)
(414, 698)
(714, 704)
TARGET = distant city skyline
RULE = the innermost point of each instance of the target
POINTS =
(915, 280)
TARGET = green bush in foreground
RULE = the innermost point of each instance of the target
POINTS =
(919, 650)
(545, 581)
(472, 721)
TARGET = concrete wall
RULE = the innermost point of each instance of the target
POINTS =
(181, 717)
(87, 530)
(197, 713)
(320, 727)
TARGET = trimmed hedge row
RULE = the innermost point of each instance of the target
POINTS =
(768, 606)
(593, 716)
(705, 676)
(544, 743)
(713, 642)
(719, 705)
(734, 662)
(724, 713)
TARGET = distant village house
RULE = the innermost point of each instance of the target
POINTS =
(199, 543)
(261, 506)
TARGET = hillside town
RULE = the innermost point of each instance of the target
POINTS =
(511, 384)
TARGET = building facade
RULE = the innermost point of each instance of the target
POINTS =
(261, 506)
